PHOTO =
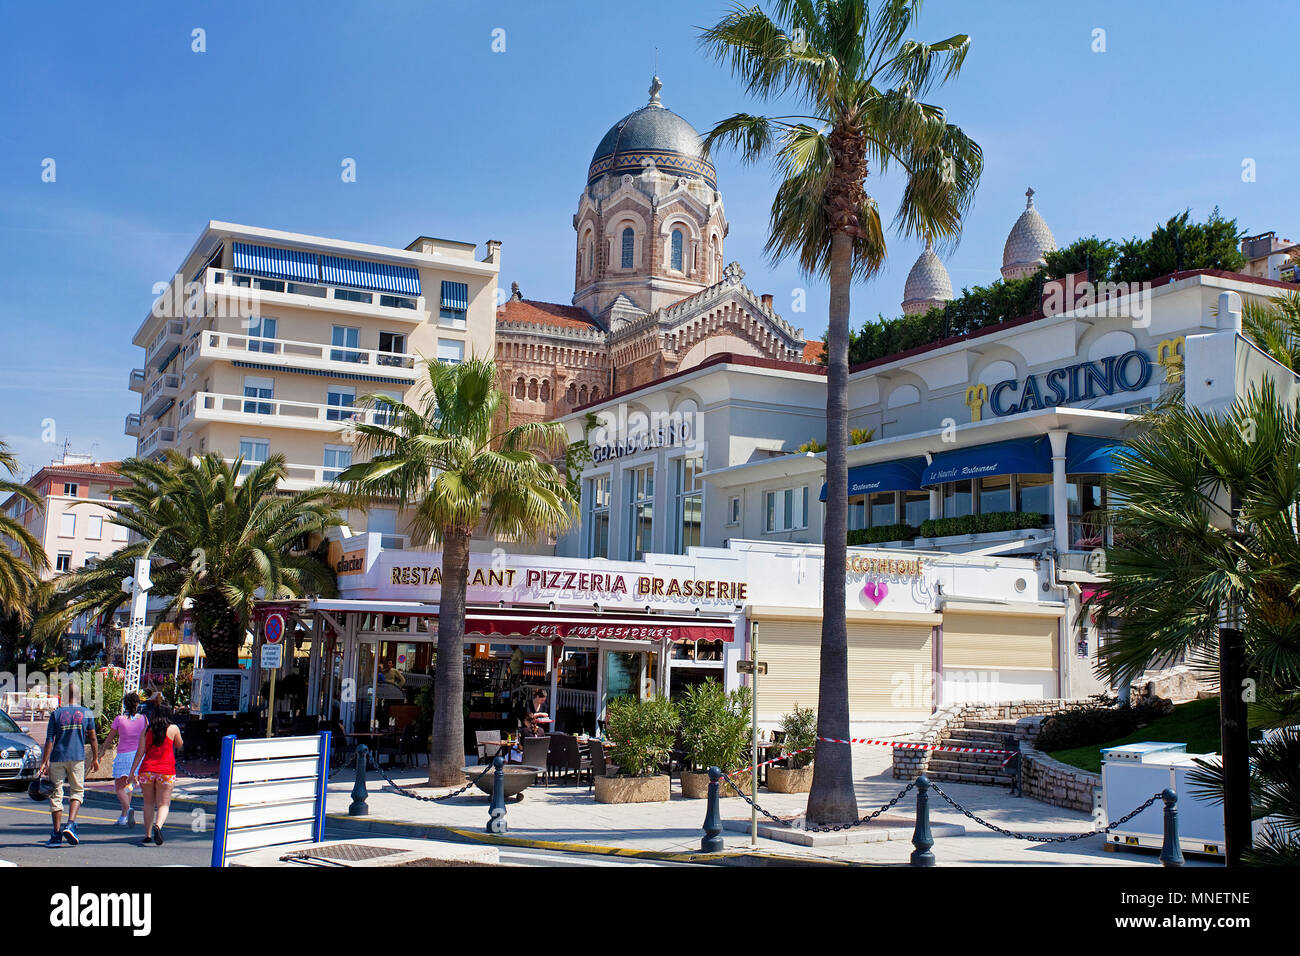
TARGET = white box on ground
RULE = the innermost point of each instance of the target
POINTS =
(1131, 774)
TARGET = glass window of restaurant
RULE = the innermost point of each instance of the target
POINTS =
(884, 508)
(690, 502)
(997, 493)
(1086, 501)
(641, 498)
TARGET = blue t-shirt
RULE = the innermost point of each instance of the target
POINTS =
(68, 728)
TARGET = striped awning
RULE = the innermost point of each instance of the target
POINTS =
(291, 264)
(455, 295)
(380, 276)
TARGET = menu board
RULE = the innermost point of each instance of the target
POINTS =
(222, 691)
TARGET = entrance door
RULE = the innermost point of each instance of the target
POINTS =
(367, 656)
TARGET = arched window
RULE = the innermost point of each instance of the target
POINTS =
(591, 255)
(676, 260)
(595, 393)
(546, 390)
(582, 395)
(532, 389)
(629, 239)
(573, 394)
(519, 387)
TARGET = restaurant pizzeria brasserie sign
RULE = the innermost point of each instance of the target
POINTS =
(586, 583)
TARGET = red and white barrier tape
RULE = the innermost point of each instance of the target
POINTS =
(737, 773)
(905, 745)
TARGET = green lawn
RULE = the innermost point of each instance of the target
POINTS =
(1195, 723)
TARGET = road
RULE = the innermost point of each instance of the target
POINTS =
(25, 825)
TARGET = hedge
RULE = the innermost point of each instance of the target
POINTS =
(886, 532)
(981, 523)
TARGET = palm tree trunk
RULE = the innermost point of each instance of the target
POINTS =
(218, 629)
(832, 799)
(447, 755)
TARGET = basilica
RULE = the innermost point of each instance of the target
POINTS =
(653, 293)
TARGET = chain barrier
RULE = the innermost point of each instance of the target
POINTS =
(419, 796)
(819, 829)
(1041, 839)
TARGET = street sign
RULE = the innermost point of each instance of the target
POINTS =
(747, 667)
(273, 629)
(272, 654)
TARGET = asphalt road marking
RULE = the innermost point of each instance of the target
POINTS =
(86, 816)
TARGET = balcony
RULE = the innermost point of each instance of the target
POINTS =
(208, 347)
(274, 413)
(162, 391)
(297, 477)
(229, 293)
(167, 339)
(133, 425)
(137, 379)
(159, 440)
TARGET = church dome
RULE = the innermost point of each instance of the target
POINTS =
(928, 284)
(1029, 240)
(656, 134)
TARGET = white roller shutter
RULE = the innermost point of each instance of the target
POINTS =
(999, 641)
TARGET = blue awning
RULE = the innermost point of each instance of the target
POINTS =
(1020, 456)
(381, 276)
(291, 264)
(901, 475)
(455, 295)
(1086, 455)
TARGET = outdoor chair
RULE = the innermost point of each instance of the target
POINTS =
(535, 755)
(412, 746)
(562, 755)
(595, 764)
(486, 752)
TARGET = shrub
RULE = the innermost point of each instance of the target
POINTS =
(1097, 723)
(888, 532)
(111, 703)
(800, 729)
(643, 732)
(860, 436)
(715, 725)
(813, 445)
(981, 523)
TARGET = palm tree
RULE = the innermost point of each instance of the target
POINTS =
(219, 540)
(847, 63)
(22, 562)
(1275, 327)
(1205, 566)
(444, 458)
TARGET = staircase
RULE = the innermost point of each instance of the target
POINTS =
(975, 768)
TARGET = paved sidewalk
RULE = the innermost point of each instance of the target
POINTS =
(568, 814)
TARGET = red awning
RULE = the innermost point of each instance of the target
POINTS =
(548, 627)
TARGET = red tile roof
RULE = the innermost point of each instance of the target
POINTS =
(813, 352)
(101, 469)
(554, 314)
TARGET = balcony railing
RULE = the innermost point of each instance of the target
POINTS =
(137, 380)
(242, 409)
(133, 425)
(297, 477)
(166, 388)
(240, 346)
(168, 336)
(160, 439)
(257, 289)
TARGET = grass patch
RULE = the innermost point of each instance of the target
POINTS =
(1195, 723)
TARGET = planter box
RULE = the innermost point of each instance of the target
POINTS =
(105, 771)
(695, 786)
(633, 789)
(781, 780)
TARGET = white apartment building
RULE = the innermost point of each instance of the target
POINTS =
(265, 341)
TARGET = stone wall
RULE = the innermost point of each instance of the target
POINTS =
(1057, 783)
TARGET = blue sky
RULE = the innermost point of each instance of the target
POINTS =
(151, 140)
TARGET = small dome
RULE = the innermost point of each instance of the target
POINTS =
(1029, 240)
(656, 134)
(928, 284)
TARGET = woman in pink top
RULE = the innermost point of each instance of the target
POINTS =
(126, 730)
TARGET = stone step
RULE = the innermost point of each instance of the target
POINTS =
(979, 738)
(971, 761)
(997, 726)
(951, 777)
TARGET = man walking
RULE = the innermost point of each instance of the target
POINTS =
(66, 734)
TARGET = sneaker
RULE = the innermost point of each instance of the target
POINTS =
(56, 839)
(120, 821)
(157, 836)
(70, 834)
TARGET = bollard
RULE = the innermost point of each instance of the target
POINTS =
(712, 842)
(358, 806)
(921, 837)
(1171, 853)
(497, 811)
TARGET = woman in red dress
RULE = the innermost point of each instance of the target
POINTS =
(155, 768)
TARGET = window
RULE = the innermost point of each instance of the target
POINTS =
(90, 558)
(67, 524)
(641, 498)
(258, 388)
(264, 329)
(268, 285)
(383, 415)
(598, 520)
(916, 507)
(254, 451)
(120, 533)
(629, 243)
(451, 351)
(344, 338)
(397, 301)
(301, 288)
(342, 401)
(453, 303)
(63, 562)
(70, 489)
(394, 343)
(352, 295)
(733, 511)
(338, 458)
(1034, 493)
(994, 494)
(94, 527)
(786, 510)
(858, 513)
(676, 260)
(882, 509)
(1086, 499)
(957, 500)
(690, 502)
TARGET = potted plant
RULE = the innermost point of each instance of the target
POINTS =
(799, 745)
(642, 732)
(715, 732)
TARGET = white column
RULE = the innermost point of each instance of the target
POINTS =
(936, 502)
(1060, 504)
